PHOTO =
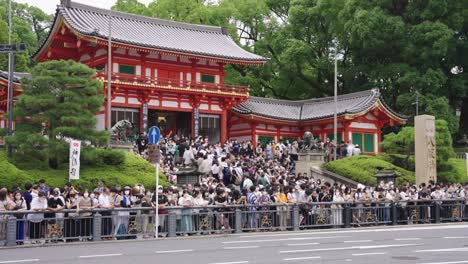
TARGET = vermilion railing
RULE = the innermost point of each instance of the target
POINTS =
(174, 83)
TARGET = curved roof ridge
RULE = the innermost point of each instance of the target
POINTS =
(369, 93)
(135, 17)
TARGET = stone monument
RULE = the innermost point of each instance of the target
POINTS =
(309, 155)
(425, 149)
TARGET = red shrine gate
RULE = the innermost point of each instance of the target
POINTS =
(164, 73)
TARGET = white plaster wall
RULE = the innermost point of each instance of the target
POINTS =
(363, 125)
(101, 122)
(119, 99)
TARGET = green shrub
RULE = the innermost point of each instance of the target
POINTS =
(131, 171)
(406, 162)
(454, 171)
(363, 169)
(10, 174)
(111, 157)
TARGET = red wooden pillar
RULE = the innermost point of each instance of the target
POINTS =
(278, 133)
(254, 134)
(223, 126)
(346, 131)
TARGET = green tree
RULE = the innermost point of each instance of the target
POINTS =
(403, 143)
(30, 26)
(59, 102)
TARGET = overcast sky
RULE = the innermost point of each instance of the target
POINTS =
(49, 6)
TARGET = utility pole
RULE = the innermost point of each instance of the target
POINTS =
(335, 114)
(11, 50)
(417, 103)
(11, 69)
(109, 76)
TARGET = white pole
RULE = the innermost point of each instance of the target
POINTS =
(335, 121)
(157, 198)
(11, 69)
(109, 73)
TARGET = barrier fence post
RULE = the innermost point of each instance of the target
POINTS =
(238, 223)
(97, 226)
(437, 212)
(348, 215)
(11, 231)
(172, 224)
(394, 213)
(295, 217)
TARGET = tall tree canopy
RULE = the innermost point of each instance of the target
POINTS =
(59, 102)
(399, 46)
(30, 26)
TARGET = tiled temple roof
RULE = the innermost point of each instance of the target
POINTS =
(17, 76)
(311, 109)
(155, 33)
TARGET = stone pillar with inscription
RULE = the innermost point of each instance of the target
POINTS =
(425, 149)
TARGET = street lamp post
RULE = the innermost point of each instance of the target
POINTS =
(109, 77)
(335, 121)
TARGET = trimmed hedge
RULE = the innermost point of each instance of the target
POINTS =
(131, 171)
(363, 169)
(454, 171)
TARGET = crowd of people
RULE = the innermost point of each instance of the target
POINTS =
(261, 180)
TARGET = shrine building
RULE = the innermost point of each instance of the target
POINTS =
(171, 74)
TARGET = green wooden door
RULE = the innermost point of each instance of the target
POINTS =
(338, 135)
(357, 139)
(368, 143)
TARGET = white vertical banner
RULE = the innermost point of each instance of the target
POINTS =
(75, 149)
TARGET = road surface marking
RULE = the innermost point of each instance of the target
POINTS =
(369, 254)
(375, 230)
(19, 261)
(442, 250)
(303, 258)
(236, 262)
(241, 247)
(386, 246)
(281, 239)
(357, 241)
(174, 251)
(101, 256)
(450, 262)
(407, 239)
(304, 244)
(456, 237)
(348, 248)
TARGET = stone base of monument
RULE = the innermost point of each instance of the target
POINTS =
(122, 147)
(307, 160)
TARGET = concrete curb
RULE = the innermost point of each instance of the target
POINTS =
(245, 234)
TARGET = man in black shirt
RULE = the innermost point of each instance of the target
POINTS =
(141, 143)
(54, 204)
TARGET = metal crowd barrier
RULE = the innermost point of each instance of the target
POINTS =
(27, 227)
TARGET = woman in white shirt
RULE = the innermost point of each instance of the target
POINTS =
(186, 224)
(36, 220)
(337, 208)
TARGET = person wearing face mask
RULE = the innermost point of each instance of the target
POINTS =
(163, 202)
(123, 216)
(86, 220)
(337, 208)
(71, 219)
(19, 204)
(186, 223)
(36, 221)
(200, 214)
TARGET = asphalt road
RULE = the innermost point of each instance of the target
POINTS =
(434, 244)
